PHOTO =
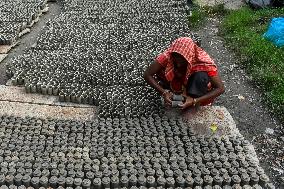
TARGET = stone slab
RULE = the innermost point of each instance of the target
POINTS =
(211, 120)
(14, 101)
(22, 109)
(4, 49)
(18, 94)
(2, 57)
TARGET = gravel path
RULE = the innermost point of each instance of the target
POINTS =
(243, 100)
(29, 39)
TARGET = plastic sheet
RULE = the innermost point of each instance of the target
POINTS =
(275, 32)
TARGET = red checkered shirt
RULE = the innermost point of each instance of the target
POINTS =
(198, 59)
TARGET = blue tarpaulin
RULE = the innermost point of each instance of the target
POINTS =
(275, 32)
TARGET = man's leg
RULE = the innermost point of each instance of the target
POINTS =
(197, 84)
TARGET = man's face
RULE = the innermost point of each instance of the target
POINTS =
(180, 65)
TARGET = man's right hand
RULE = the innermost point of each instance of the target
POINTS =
(168, 96)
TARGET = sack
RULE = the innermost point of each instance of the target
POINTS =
(275, 32)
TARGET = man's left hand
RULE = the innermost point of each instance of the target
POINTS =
(188, 102)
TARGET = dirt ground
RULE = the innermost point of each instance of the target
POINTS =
(243, 100)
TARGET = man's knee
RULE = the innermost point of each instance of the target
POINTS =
(197, 84)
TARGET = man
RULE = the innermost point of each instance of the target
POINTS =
(186, 69)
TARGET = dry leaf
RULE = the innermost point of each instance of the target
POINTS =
(213, 127)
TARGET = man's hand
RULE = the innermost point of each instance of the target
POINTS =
(188, 102)
(168, 96)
